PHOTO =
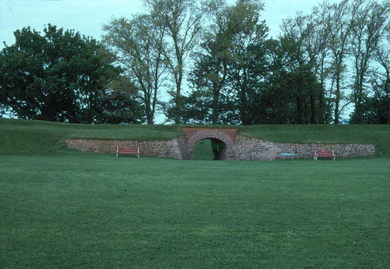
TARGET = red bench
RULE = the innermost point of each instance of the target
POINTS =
(321, 153)
(134, 150)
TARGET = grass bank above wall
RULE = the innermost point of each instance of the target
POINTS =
(42, 137)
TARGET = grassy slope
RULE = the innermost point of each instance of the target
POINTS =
(157, 213)
(40, 137)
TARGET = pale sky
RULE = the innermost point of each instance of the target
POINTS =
(88, 16)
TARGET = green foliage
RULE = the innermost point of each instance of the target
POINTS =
(241, 77)
(346, 44)
(181, 24)
(376, 109)
(58, 76)
(290, 90)
(227, 69)
(97, 211)
(138, 45)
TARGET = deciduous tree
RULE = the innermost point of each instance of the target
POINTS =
(367, 32)
(138, 44)
(182, 21)
(229, 65)
(58, 75)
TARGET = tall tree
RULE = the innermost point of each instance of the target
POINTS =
(340, 40)
(310, 38)
(182, 21)
(368, 30)
(377, 106)
(340, 21)
(229, 64)
(138, 44)
(57, 76)
(248, 35)
(291, 92)
(212, 64)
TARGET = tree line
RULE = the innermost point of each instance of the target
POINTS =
(207, 62)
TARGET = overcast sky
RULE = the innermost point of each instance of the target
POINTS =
(88, 16)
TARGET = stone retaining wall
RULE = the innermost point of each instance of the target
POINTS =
(244, 148)
(162, 148)
(256, 149)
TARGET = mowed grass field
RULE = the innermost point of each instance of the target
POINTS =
(64, 209)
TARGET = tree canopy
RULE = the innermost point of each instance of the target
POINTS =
(60, 76)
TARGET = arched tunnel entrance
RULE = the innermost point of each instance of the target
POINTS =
(209, 149)
(219, 141)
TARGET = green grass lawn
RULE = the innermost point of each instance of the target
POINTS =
(64, 209)
(79, 210)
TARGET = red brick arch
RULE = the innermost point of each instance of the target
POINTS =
(225, 135)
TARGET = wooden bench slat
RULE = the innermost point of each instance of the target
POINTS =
(127, 150)
(324, 153)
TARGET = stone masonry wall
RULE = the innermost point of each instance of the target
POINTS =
(162, 148)
(256, 149)
(244, 148)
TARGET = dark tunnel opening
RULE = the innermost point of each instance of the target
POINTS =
(209, 149)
